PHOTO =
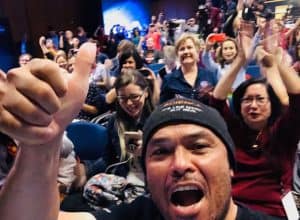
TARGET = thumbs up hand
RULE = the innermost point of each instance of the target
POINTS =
(39, 100)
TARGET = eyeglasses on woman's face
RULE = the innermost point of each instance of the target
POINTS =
(131, 97)
(259, 100)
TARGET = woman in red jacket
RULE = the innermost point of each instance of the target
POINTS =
(266, 138)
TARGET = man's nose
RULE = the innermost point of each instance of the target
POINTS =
(181, 162)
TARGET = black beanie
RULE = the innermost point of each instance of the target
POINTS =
(183, 110)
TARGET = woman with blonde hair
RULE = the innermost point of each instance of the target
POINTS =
(189, 80)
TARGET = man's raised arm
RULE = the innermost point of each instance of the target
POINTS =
(37, 102)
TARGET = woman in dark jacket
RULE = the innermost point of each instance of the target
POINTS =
(122, 154)
(134, 104)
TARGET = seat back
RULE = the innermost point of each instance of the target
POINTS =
(89, 139)
(253, 70)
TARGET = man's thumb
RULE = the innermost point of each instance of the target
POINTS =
(84, 60)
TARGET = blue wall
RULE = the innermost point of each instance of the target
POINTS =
(7, 58)
(130, 13)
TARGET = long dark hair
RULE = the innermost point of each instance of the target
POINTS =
(130, 53)
(238, 94)
(277, 155)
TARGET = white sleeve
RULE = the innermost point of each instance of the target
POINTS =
(209, 62)
(67, 146)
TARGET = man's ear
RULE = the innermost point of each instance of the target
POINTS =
(146, 94)
(231, 173)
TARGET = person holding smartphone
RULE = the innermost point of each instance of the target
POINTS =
(122, 156)
(133, 106)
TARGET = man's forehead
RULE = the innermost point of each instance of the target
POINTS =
(183, 128)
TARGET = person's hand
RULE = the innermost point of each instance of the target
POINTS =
(246, 28)
(282, 57)
(215, 30)
(151, 75)
(39, 100)
(243, 43)
(264, 58)
(108, 64)
(208, 43)
(81, 177)
(154, 84)
(133, 141)
(205, 90)
(42, 40)
(153, 19)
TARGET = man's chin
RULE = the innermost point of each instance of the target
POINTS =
(189, 212)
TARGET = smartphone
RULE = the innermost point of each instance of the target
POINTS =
(248, 14)
(217, 38)
(131, 139)
(144, 72)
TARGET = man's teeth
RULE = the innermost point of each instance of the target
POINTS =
(185, 188)
(186, 195)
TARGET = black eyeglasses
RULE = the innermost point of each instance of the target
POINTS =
(260, 100)
(132, 97)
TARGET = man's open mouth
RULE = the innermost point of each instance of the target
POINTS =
(186, 195)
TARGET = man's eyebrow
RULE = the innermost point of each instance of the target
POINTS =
(158, 140)
(198, 135)
(194, 135)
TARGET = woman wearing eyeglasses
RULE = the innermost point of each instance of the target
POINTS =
(265, 136)
(133, 106)
(130, 59)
